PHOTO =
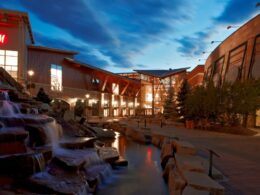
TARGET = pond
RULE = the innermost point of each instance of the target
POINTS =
(143, 175)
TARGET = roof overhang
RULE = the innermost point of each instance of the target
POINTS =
(73, 61)
(56, 50)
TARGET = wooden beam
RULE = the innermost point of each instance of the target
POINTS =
(104, 84)
(125, 88)
(137, 92)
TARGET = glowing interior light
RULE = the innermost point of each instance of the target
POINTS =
(149, 97)
(3, 38)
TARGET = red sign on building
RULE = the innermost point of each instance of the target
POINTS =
(2, 38)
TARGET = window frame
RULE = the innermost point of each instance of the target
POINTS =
(249, 75)
(54, 88)
(221, 71)
(12, 69)
(240, 73)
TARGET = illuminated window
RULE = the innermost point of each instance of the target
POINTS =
(56, 77)
(115, 88)
(95, 80)
(149, 97)
(9, 61)
(106, 112)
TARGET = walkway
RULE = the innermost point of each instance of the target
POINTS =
(240, 157)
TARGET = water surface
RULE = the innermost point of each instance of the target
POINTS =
(143, 174)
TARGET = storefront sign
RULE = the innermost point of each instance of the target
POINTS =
(2, 38)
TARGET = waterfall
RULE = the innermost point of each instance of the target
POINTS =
(4, 95)
(8, 108)
(40, 161)
(53, 131)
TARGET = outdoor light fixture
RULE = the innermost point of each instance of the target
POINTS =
(229, 27)
(30, 73)
(202, 59)
(204, 52)
(87, 96)
(216, 42)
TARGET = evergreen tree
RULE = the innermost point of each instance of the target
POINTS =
(169, 108)
(181, 98)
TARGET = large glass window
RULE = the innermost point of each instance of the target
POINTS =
(9, 61)
(235, 62)
(56, 77)
(208, 73)
(256, 60)
(218, 70)
(115, 88)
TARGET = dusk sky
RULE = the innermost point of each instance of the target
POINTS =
(122, 35)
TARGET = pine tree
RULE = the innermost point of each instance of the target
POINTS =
(181, 98)
(169, 108)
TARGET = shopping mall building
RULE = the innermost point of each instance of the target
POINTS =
(237, 57)
(58, 72)
(65, 78)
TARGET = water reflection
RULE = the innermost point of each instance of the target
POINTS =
(143, 174)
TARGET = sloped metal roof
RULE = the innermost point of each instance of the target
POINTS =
(161, 73)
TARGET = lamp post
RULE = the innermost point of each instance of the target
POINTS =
(231, 26)
(30, 73)
(204, 52)
(202, 59)
(216, 42)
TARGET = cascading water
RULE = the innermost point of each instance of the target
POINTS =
(7, 107)
(4, 95)
(53, 131)
(39, 162)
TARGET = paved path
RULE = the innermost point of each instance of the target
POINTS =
(240, 155)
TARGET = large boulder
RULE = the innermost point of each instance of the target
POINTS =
(12, 141)
(65, 184)
(176, 182)
(166, 154)
(182, 147)
(102, 133)
(78, 142)
(189, 163)
(37, 135)
(171, 164)
(192, 191)
(21, 165)
(201, 181)
(108, 154)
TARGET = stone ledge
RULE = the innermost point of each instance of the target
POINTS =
(182, 147)
(192, 191)
(201, 181)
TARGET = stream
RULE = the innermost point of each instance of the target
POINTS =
(143, 175)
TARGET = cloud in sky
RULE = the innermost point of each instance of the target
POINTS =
(85, 53)
(122, 31)
(235, 11)
(192, 45)
(119, 29)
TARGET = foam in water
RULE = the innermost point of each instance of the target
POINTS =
(53, 131)
(4, 95)
(8, 109)
(39, 161)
